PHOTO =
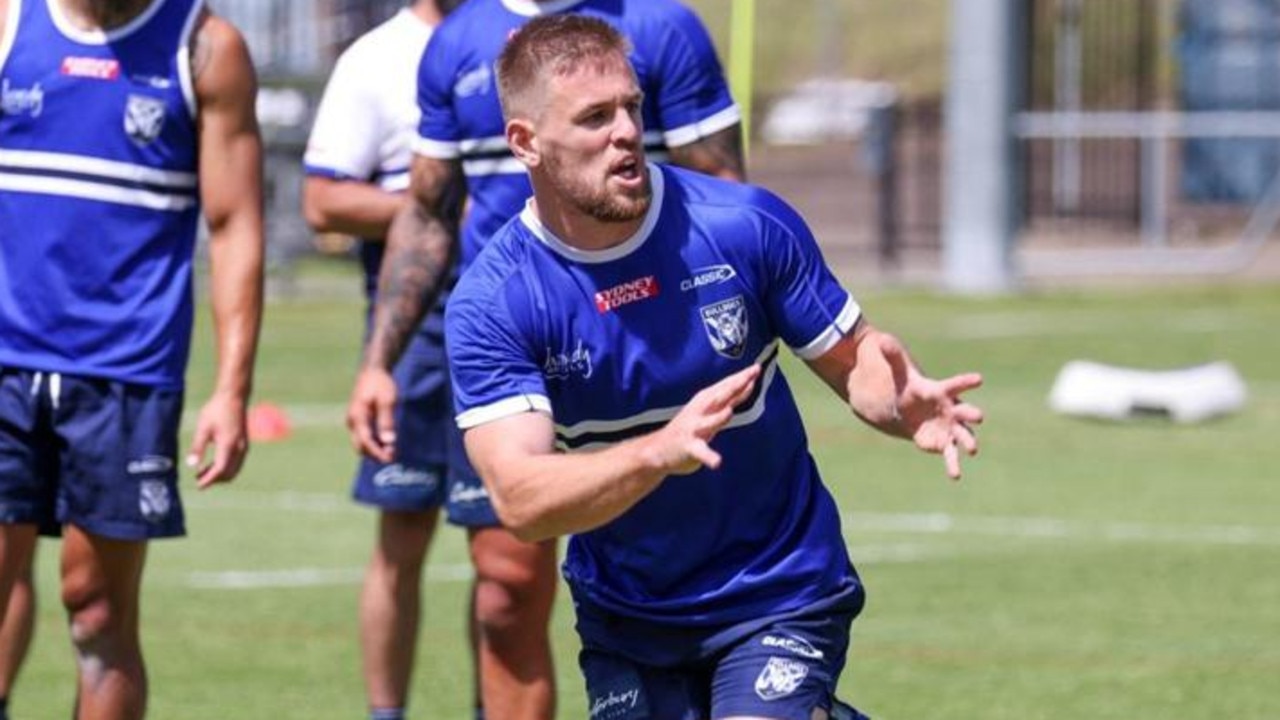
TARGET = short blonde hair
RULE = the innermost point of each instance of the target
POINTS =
(552, 45)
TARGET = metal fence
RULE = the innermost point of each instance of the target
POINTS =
(1152, 123)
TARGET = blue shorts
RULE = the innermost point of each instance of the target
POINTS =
(97, 454)
(782, 671)
(431, 468)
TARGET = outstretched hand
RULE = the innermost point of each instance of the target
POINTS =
(931, 411)
(371, 414)
(683, 446)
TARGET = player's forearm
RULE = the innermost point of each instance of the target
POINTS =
(420, 250)
(349, 207)
(236, 274)
(551, 495)
(874, 385)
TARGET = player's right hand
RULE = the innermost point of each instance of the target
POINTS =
(371, 414)
(683, 445)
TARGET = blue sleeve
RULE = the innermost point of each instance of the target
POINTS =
(693, 99)
(494, 372)
(438, 131)
(805, 302)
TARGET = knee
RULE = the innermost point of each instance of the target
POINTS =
(514, 593)
(96, 626)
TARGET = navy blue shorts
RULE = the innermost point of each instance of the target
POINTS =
(431, 468)
(97, 454)
(782, 671)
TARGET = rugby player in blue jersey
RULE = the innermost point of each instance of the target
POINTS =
(121, 119)
(614, 352)
(693, 121)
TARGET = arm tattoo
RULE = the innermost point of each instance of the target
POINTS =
(719, 154)
(414, 270)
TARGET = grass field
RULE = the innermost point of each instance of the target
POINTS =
(1080, 569)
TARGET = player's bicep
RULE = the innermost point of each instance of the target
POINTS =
(499, 448)
(230, 145)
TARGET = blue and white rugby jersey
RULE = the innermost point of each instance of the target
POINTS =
(613, 343)
(98, 193)
(686, 98)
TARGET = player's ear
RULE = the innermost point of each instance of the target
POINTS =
(523, 142)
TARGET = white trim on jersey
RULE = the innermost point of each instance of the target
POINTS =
(437, 149)
(503, 408)
(10, 31)
(827, 339)
(184, 59)
(100, 37)
(664, 415)
(105, 180)
(693, 132)
(496, 143)
(529, 8)
(493, 166)
(108, 169)
(95, 191)
(590, 257)
(395, 182)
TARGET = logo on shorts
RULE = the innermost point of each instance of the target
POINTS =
(154, 500)
(397, 475)
(793, 644)
(149, 465)
(780, 677)
(143, 118)
(463, 494)
(614, 705)
(726, 326)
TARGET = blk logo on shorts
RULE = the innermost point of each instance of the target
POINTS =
(780, 677)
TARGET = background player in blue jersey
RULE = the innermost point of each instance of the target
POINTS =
(615, 361)
(121, 119)
(462, 142)
(357, 165)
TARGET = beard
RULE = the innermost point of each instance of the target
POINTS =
(598, 202)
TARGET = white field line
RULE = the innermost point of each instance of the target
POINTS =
(310, 577)
(918, 524)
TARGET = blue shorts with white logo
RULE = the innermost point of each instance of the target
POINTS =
(431, 468)
(782, 671)
(97, 454)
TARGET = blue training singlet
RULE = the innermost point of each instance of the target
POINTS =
(612, 344)
(98, 193)
(685, 94)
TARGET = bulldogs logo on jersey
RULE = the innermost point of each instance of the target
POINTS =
(780, 677)
(143, 118)
(726, 326)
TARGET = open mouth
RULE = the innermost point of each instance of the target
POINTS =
(628, 169)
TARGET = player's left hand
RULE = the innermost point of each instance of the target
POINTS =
(931, 411)
(222, 428)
